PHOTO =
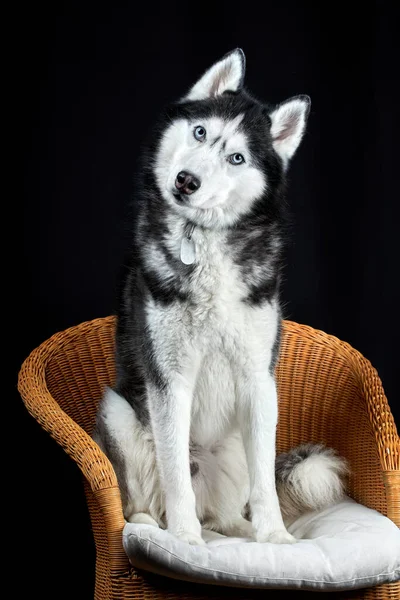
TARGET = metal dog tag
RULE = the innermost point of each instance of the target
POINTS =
(188, 251)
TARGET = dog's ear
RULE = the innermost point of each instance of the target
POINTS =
(288, 123)
(225, 75)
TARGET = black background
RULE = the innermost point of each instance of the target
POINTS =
(90, 81)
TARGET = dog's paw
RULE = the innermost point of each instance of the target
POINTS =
(143, 518)
(190, 538)
(281, 536)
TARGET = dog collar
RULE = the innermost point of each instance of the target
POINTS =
(188, 247)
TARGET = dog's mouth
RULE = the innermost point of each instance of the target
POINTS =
(180, 198)
(184, 199)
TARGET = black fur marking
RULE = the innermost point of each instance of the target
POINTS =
(215, 141)
(164, 292)
(243, 58)
(276, 348)
(264, 292)
(286, 462)
(194, 468)
(132, 388)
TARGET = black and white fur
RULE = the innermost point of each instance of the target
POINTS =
(190, 423)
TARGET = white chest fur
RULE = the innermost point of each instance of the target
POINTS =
(215, 331)
(216, 284)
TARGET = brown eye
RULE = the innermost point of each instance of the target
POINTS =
(199, 133)
(236, 159)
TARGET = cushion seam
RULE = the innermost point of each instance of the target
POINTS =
(397, 569)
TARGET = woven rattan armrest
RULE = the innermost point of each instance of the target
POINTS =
(76, 442)
(92, 461)
(372, 400)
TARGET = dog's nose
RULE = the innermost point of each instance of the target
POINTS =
(186, 182)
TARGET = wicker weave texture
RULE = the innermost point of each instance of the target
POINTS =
(328, 392)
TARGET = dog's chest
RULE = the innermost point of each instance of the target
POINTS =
(216, 287)
(215, 330)
(231, 335)
(217, 316)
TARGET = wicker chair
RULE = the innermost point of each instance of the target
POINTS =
(328, 392)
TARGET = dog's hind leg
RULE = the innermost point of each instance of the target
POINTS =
(131, 451)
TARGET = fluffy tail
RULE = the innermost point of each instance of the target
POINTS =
(309, 477)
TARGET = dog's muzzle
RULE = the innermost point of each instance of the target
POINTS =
(187, 183)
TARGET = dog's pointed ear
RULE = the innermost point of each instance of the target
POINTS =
(288, 123)
(225, 75)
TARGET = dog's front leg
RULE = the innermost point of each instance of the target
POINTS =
(258, 412)
(170, 407)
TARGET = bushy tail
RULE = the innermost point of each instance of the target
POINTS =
(309, 477)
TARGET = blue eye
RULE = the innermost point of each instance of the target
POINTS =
(236, 159)
(199, 133)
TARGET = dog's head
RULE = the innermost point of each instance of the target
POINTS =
(222, 151)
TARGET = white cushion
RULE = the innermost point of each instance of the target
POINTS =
(343, 547)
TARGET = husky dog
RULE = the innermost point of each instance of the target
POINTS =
(190, 424)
